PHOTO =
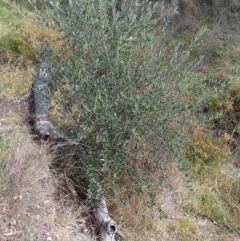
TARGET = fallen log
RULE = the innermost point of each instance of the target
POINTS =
(44, 127)
(108, 227)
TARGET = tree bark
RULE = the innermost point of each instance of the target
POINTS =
(42, 125)
(108, 227)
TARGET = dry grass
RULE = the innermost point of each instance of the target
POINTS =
(213, 184)
(15, 81)
(70, 226)
(16, 50)
(136, 217)
(32, 206)
(170, 217)
(215, 194)
(26, 187)
(16, 71)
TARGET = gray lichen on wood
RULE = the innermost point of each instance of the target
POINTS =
(42, 124)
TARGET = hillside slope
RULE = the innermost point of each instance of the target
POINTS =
(199, 196)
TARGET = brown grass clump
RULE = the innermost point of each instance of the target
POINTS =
(146, 214)
(136, 216)
(37, 33)
(204, 149)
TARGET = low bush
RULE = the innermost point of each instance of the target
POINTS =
(118, 84)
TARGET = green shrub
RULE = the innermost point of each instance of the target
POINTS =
(118, 86)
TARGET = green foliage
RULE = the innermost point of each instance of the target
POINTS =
(10, 40)
(116, 82)
(7, 12)
(4, 142)
(1, 141)
(17, 44)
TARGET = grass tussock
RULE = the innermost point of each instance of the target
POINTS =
(204, 149)
(17, 54)
(8, 12)
(147, 213)
(224, 57)
(20, 34)
(215, 195)
(15, 81)
(136, 215)
(16, 44)
(213, 183)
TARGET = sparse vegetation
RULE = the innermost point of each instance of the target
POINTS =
(155, 190)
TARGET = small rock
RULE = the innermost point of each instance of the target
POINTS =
(47, 202)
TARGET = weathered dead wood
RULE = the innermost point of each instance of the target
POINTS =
(45, 129)
(108, 227)
(23, 99)
(42, 125)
